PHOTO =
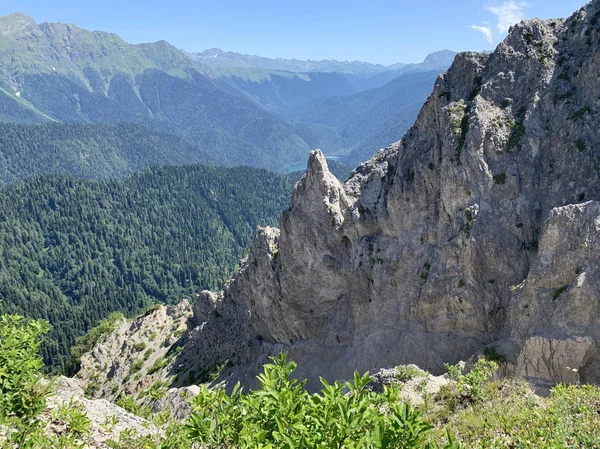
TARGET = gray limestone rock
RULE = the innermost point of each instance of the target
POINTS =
(107, 420)
(479, 227)
(473, 229)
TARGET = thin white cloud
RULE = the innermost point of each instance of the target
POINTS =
(508, 13)
(486, 31)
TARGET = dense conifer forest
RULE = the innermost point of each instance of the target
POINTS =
(95, 151)
(72, 251)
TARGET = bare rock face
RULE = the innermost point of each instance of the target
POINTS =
(555, 312)
(137, 355)
(480, 226)
(204, 304)
(107, 420)
(177, 401)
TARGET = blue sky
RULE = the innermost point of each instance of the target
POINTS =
(382, 31)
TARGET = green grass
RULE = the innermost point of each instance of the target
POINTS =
(510, 415)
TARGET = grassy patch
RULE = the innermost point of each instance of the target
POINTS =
(510, 415)
(558, 292)
(409, 372)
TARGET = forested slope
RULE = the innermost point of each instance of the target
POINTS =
(88, 151)
(72, 251)
(60, 72)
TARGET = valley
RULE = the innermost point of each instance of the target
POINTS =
(214, 249)
(236, 115)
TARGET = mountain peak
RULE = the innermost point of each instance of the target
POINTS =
(15, 22)
(440, 58)
(375, 260)
(17, 16)
(212, 53)
(439, 54)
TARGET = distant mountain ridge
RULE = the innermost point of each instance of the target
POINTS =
(347, 108)
(248, 115)
(60, 72)
(218, 58)
(361, 75)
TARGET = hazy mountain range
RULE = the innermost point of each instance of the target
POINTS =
(233, 112)
(362, 75)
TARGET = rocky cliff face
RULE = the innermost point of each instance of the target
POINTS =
(138, 357)
(106, 421)
(479, 228)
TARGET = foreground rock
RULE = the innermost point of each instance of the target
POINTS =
(107, 420)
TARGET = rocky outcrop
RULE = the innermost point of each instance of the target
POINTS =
(139, 355)
(475, 228)
(555, 312)
(106, 420)
(177, 401)
(478, 229)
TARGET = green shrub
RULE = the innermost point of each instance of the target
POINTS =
(409, 372)
(470, 385)
(140, 346)
(579, 113)
(86, 342)
(72, 415)
(492, 354)
(91, 388)
(513, 416)
(158, 365)
(135, 366)
(454, 371)
(21, 393)
(500, 178)
(558, 292)
(178, 333)
(129, 404)
(282, 414)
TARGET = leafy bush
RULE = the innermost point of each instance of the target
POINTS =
(454, 371)
(140, 346)
(23, 391)
(465, 389)
(282, 414)
(492, 354)
(500, 178)
(129, 404)
(158, 365)
(409, 372)
(22, 395)
(72, 414)
(512, 415)
(135, 366)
